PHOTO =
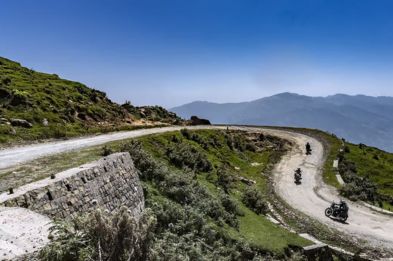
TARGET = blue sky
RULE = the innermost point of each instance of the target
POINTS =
(171, 52)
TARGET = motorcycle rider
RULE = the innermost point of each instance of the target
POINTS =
(343, 206)
(298, 175)
(308, 148)
(338, 210)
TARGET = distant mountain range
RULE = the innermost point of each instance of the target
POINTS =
(359, 119)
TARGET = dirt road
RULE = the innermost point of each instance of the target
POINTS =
(13, 156)
(311, 197)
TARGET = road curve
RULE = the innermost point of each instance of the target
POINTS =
(311, 197)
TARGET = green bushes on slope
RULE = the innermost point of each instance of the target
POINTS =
(52, 104)
(194, 218)
(368, 174)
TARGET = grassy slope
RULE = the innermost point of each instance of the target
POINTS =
(256, 229)
(70, 108)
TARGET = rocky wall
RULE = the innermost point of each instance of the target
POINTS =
(108, 183)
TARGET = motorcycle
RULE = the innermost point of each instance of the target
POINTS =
(298, 176)
(338, 211)
(308, 149)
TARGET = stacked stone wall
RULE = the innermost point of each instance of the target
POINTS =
(109, 183)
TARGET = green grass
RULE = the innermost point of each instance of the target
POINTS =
(71, 108)
(255, 229)
(329, 173)
(261, 232)
(375, 164)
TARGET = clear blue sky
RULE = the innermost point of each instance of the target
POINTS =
(170, 52)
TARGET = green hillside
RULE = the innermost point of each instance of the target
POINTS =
(368, 173)
(207, 193)
(35, 105)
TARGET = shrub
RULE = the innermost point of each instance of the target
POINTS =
(230, 205)
(186, 133)
(183, 155)
(356, 188)
(183, 233)
(254, 200)
(225, 179)
(5, 129)
(106, 151)
(100, 236)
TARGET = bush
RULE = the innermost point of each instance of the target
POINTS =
(5, 129)
(183, 155)
(230, 205)
(100, 236)
(106, 151)
(186, 133)
(149, 169)
(183, 233)
(254, 200)
(356, 188)
(225, 179)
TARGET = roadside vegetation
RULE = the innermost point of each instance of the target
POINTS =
(36, 106)
(368, 174)
(206, 192)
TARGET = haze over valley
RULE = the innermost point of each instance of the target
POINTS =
(359, 119)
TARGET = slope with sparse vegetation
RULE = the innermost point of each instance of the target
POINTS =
(36, 105)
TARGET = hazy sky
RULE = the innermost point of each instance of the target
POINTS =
(171, 52)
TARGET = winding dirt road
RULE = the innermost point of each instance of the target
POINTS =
(311, 197)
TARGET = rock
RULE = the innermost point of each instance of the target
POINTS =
(246, 181)
(197, 121)
(12, 131)
(4, 121)
(45, 122)
(21, 123)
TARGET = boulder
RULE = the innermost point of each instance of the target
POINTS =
(197, 121)
(21, 123)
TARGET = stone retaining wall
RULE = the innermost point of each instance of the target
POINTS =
(108, 183)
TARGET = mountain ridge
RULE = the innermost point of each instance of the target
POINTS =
(358, 118)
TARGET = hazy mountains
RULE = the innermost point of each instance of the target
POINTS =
(357, 118)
